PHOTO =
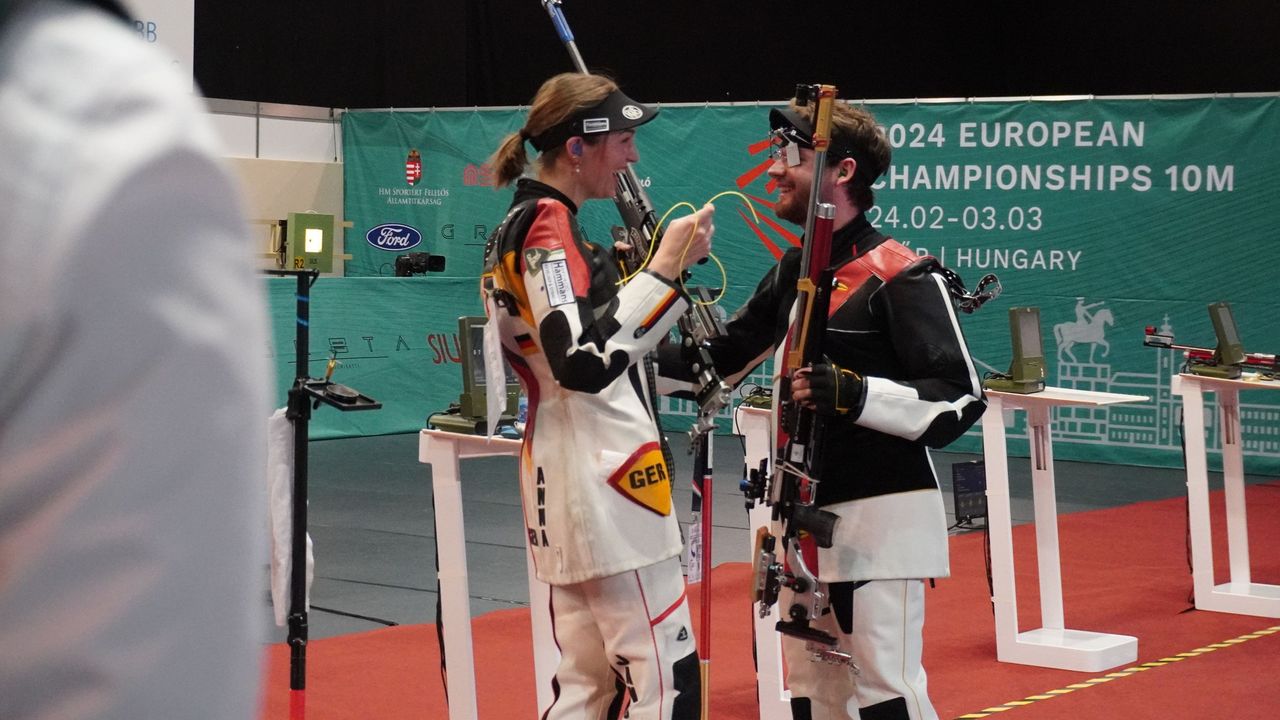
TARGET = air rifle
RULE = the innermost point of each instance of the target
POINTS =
(698, 326)
(639, 233)
(792, 488)
(1207, 361)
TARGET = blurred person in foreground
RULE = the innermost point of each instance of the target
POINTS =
(134, 389)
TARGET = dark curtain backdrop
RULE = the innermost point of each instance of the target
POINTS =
(443, 53)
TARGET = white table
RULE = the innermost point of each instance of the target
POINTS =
(1240, 595)
(756, 427)
(1052, 645)
(443, 451)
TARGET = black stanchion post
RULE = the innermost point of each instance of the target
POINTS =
(299, 411)
(305, 391)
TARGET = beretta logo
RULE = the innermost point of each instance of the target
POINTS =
(394, 237)
(473, 175)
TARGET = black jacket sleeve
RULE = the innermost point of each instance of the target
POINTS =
(934, 394)
(752, 333)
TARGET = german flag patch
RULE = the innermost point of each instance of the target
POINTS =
(526, 343)
(657, 313)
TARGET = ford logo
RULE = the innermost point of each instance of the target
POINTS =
(394, 237)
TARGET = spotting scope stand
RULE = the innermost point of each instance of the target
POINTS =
(305, 395)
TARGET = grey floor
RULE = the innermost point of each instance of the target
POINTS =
(372, 526)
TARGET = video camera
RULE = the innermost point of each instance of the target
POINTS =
(417, 263)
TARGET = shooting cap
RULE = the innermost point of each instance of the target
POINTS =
(616, 112)
(789, 126)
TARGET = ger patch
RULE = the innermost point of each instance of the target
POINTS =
(558, 282)
(643, 479)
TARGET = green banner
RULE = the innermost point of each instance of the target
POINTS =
(1108, 215)
(417, 182)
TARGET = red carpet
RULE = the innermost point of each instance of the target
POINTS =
(1124, 571)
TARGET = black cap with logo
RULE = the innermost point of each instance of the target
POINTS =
(616, 112)
(796, 127)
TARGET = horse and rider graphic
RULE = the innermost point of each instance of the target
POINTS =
(1086, 328)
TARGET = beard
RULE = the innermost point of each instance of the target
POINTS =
(791, 207)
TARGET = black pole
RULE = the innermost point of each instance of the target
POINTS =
(299, 412)
(305, 395)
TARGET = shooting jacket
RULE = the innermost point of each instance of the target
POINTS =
(892, 321)
(595, 484)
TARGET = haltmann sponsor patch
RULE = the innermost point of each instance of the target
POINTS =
(558, 282)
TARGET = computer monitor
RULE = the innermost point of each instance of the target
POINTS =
(1027, 369)
(969, 491)
(1228, 355)
(474, 390)
(1230, 350)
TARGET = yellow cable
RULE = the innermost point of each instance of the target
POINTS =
(724, 275)
(746, 201)
(657, 231)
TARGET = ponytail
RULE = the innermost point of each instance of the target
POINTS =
(557, 100)
(509, 161)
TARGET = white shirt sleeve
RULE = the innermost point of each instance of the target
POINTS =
(132, 440)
